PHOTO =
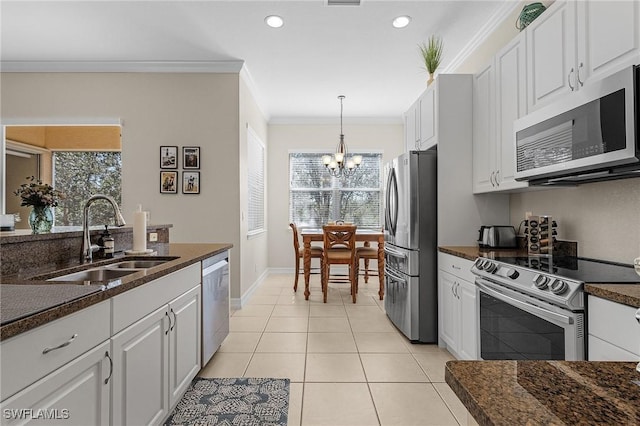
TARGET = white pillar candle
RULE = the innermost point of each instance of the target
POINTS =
(139, 230)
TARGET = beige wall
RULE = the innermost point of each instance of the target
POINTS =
(253, 250)
(283, 138)
(156, 109)
(602, 217)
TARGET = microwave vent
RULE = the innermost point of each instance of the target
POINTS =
(546, 148)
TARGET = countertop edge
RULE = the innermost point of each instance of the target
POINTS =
(192, 253)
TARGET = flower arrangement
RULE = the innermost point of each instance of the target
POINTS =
(431, 53)
(38, 194)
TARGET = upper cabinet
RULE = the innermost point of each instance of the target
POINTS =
(499, 98)
(574, 43)
(420, 122)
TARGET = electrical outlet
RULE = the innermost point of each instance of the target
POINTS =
(153, 236)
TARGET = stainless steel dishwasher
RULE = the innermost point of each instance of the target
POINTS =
(215, 303)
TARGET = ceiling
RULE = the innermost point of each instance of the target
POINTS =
(297, 71)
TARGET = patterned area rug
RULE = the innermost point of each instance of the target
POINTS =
(237, 402)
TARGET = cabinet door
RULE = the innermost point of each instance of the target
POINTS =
(428, 122)
(410, 129)
(140, 366)
(75, 394)
(551, 54)
(608, 37)
(511, 104)
(469, 321)
(483, 130)
(448, 311)
(184, 343)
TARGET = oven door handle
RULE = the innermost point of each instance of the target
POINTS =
(532, 309)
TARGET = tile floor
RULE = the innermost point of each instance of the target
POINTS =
(347, 363)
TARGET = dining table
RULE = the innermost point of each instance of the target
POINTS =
(365, 235)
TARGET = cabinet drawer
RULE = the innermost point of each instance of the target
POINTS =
(614, 323)
(23, 361)
(456, 265)
(134, 304)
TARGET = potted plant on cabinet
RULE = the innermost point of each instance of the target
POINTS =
(431, 52)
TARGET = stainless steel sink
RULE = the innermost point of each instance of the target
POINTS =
(136, 264)
(96, 274)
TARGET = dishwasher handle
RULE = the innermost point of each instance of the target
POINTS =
(210, 269)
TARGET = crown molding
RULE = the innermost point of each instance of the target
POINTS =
(485, 31)
(123, 66)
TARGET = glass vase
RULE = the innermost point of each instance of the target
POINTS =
(41, 219)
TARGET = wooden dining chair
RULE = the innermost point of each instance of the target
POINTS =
(316, 252)
(339, 248)
(367, 253)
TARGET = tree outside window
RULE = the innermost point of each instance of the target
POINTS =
(81, 174)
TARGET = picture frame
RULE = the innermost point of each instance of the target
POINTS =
(190, 182)
(191, 157)
(168, 182)
(168, 157)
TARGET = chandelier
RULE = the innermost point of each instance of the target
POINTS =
(339, 164)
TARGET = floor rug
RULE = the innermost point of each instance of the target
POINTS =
(233, 402)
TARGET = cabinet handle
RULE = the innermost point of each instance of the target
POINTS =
(456, 267)
(62, 345)
(168, 328)
(174, 319)
(578, 74)
(569, 80)
(497, 181)
(491, 179)
(110, 367)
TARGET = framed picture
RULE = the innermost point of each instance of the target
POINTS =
(190, 157)
(190, 182)
(168, 182)
(168, 157)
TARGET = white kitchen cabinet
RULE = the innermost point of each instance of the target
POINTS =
(614, 331)
(76, 394)
(154, 361)
(484, 146)
(184, 343)
(411, 131)
(510, 105)
(457, 308)
(574, 43)
(428, 136)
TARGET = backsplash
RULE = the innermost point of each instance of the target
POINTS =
(604, 218)
(34, 253)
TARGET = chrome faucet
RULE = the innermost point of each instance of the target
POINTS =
(87, 247)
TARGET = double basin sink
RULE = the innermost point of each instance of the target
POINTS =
(105, 273)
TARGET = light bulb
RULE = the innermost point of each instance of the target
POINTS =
(357, 159)
(339, 157)
(326, 159)
(333, 165)
(350, 164)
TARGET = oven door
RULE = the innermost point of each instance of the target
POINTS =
(514, 326)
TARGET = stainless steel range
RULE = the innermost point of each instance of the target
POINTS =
(534, 307)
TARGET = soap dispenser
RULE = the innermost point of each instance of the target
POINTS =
(108, 243)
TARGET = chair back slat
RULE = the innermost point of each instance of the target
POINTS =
(296, 242)
(339, 236)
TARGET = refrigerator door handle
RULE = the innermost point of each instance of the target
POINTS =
(394, 276)
(394, 253)
(392, 208)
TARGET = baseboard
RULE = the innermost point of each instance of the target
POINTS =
(238, 303)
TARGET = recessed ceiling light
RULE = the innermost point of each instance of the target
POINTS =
(401, 21)
(274, 21)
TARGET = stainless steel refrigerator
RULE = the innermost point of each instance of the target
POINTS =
(410, 231)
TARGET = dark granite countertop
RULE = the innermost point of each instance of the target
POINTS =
(547, 392)
(60, 299)
(627, 294)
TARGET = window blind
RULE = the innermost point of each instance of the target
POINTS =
(255, 179)
(316, 197)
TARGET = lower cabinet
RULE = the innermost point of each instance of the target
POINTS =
(614, 332)
(458, 313)
(75, 394)
(154, 361)
(457, 307)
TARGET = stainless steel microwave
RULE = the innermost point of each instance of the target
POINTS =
(590, 135)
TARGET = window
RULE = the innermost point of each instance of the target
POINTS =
(316, 197)
(81, 174)
(255, 177)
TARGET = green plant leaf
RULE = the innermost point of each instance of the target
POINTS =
(431, 52)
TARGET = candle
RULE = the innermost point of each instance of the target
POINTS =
(139, 230)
